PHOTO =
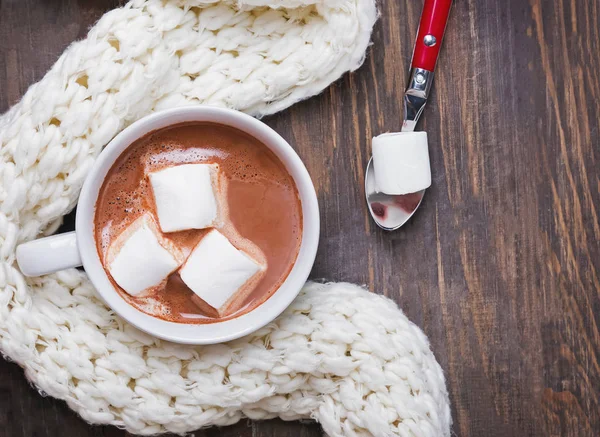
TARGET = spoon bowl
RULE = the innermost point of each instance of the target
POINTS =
(389, 212)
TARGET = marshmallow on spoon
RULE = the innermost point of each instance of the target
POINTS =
(216, 271)
(401, 162)
(185, 197)
(140, 259)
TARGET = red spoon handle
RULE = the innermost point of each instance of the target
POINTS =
(431, 32)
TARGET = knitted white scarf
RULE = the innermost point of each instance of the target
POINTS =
(341, 355)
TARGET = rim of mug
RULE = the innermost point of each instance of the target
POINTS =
(216, 332)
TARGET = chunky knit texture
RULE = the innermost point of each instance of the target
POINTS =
(341, 355)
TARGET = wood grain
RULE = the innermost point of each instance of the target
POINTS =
(500, 266)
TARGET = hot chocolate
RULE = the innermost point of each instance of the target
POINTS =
(259, 213)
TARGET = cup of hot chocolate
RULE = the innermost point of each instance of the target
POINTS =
(197, 225)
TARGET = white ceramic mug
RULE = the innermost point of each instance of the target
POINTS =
(78, 248)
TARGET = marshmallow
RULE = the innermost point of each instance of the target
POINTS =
(184, 196)
(140, 259)
(216, 270)
(401, 162)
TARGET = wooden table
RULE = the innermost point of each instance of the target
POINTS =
(500, 266)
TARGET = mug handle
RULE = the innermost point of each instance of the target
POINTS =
(48, 255)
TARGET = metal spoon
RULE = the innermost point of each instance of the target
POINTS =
(388, 211)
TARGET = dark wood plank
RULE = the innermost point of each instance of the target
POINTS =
(500, 266)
